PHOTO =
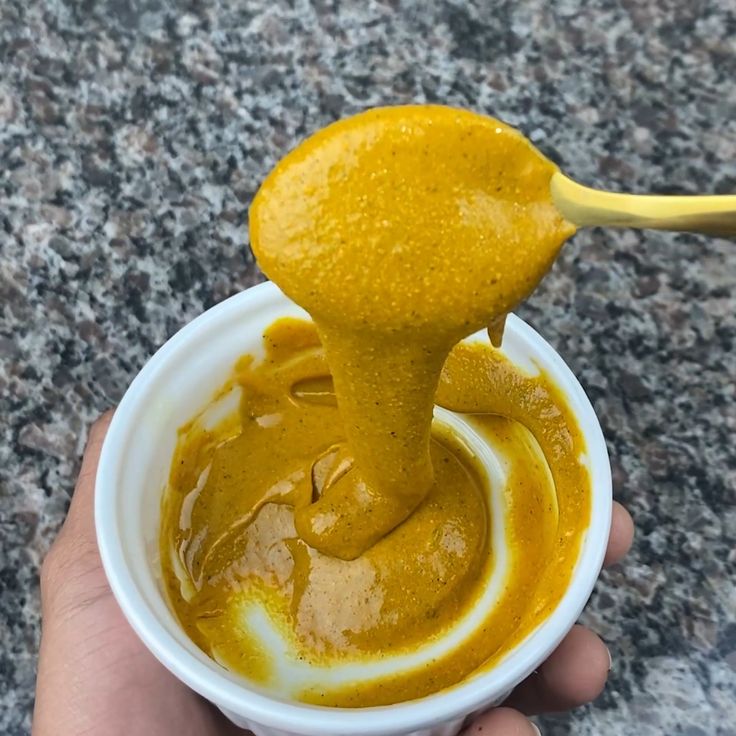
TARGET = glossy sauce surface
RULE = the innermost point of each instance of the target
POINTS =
(401, 231)
(229, 541)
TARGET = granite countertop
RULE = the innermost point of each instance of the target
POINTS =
(133, 134)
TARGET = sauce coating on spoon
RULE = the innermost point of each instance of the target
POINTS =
(401, 231)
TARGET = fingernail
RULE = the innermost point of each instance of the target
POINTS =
(536, 729)
(610, 660)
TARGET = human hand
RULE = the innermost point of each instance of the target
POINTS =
(96, 677)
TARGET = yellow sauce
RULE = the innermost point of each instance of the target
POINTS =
(401, 231)
(228, 535)
(330, 500)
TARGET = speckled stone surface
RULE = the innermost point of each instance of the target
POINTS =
(133, 134)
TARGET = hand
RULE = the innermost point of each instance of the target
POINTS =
(96, 677)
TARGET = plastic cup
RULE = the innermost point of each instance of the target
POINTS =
(176, 384)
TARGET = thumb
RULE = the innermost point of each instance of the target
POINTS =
(81, 509)
(84, 491)
(502, 722)
(73, 562)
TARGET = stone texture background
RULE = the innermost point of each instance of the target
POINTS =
(133, 134)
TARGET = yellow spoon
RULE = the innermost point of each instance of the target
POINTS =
(586, 207)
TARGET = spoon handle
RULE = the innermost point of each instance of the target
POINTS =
(586, 207)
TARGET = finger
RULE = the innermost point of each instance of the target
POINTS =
(622, 535)
(222, 725)
(574, 674)
(72, 567)
(81, 516)
(502, 722)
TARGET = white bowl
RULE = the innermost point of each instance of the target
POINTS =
(176, 384)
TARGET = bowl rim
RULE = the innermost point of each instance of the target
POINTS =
(445, 705)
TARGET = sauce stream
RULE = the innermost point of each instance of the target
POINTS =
(401, 231)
